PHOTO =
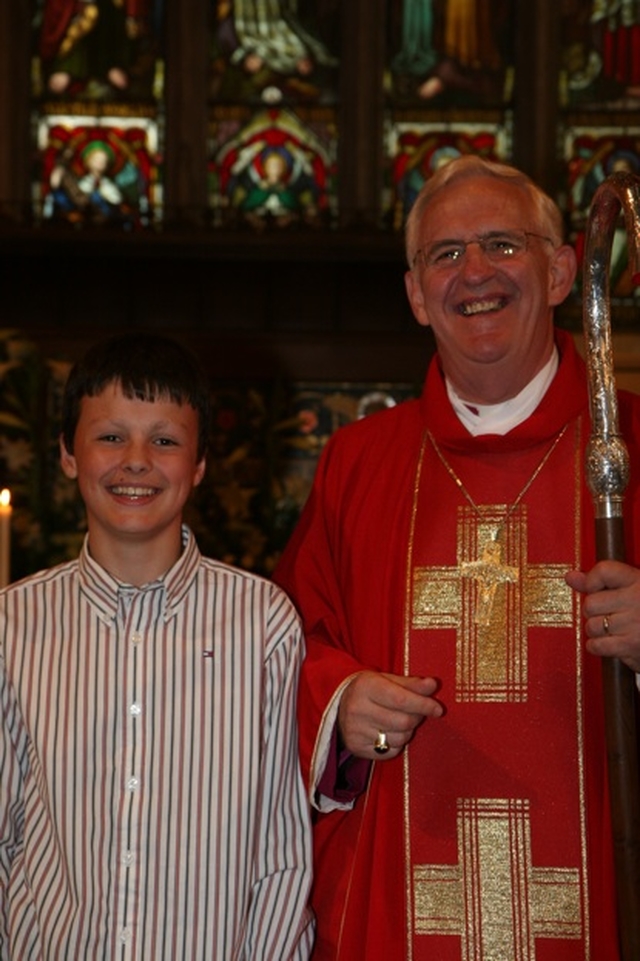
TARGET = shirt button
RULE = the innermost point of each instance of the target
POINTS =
(133, 784)
(127, 858)
(125, 935)
(135, 709)
(136, 637)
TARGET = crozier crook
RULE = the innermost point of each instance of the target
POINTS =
(607, 469)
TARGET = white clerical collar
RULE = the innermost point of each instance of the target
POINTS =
(501, 418)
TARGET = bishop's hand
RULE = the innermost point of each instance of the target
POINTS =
(376, 704)
(611, 610)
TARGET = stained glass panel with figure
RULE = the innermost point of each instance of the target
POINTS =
(274, 51)
(450, 52)
(416, 150)
(601, 54)
(272, 169)
(98, 173)
(97, 112)
(591, 155)
(101, 50)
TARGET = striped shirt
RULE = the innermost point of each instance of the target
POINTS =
(151, 804)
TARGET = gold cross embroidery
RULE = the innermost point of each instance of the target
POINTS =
(491, 604)
(471, 899)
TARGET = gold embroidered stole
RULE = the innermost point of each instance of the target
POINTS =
(494, 798)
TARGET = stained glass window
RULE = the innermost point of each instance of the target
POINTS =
(273, 90)
(416, 150)
(591, 155)
(601, 54)
(272, 169)
(273, 51)
(449, 78)
(599, 97)
(457, 52)
(98, 174)
(97, 87)
(97, 49)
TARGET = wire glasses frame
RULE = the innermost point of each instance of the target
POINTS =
(497, 246)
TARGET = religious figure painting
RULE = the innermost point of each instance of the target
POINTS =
(98, 175)
(415, 151)
(274, 51)
(98, 49)
(273, 172)
(453, 52)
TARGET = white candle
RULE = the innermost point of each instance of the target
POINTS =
(5, 537)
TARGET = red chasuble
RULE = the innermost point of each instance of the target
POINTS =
(426, 551)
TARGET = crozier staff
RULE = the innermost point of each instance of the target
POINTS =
(607, 477)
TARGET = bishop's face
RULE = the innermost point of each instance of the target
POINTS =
(492, 319)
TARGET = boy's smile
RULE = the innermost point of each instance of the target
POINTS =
(136, 464)
(134, 492)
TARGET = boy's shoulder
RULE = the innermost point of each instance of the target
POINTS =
(48, 576)
(222, 570)
(257, 585)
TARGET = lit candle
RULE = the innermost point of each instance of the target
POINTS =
(5, 537)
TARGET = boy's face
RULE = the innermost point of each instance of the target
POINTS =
(136, 463)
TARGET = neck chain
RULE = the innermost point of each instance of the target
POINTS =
(488, 570)
(454, 477)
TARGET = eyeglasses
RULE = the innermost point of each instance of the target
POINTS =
(499, 247)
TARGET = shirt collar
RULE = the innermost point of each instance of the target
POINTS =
(501, 418)
(102, 589)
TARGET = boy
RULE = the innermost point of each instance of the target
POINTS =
(151, 805)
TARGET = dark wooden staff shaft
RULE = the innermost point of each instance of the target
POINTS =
(620, 695)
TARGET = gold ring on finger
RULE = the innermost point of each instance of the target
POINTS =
(381, 745)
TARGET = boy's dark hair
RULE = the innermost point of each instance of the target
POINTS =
(146, 366)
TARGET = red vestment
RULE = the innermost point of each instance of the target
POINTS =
(489, 837)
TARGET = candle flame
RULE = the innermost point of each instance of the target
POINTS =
(5, 497)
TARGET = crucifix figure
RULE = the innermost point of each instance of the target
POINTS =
(492, 619)
(488, 572)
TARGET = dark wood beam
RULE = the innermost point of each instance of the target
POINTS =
(15, 90)
(536, 108)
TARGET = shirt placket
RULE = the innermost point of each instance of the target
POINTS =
(132, 777)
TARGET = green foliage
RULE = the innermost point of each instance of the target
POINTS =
(48, 515)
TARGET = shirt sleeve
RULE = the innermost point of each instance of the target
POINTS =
(337, 776)
(13, 755)
(307, 572)
(280, 924)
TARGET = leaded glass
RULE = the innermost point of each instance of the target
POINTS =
(274, 51)
(457, 52)
(97, 173)
(448, 83)
(601, 54)
(416, 150)
(97, 112)
(98, 50)
(592, 154)
(272, 168)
